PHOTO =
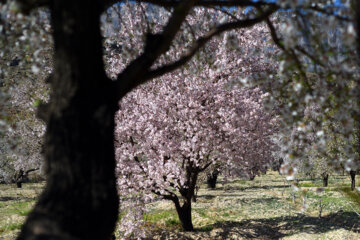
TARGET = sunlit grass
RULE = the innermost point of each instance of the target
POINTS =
(265, 207)
(15, 205)
(237, 209)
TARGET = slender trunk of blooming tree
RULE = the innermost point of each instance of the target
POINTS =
(194, 198)
(187, 193)
(80, 199)
(352, 175)
(212, 179)
(184, 213)
(325, 179)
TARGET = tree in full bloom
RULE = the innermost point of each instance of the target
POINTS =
(173, 128)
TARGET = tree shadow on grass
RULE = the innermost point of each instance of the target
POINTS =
(239, 188)
(212, 196)
(244, 200)
(269, 228)
(6, 199)
(279, 227)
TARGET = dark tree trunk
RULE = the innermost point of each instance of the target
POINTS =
(80, 199)
(22, 176)
(19, 178)
(194, 198)
(325, 179)
(212, 179)
(184, 213)
(281, 161)
(352, 175)
(252, 177)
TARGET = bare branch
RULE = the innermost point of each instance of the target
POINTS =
(316, 8)
(312, 57)
(31, 170)
(226, 13)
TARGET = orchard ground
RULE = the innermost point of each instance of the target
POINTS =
(260, 209)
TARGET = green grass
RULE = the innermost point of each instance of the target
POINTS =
(354, 196)
(237, 209)
(11, 227)
(15, 205)
(168, 218)
(264, 209)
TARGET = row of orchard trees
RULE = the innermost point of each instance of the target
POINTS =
(154, 41)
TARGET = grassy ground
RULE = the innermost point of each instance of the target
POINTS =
(259, 209)
(263, 209)
(15, 204)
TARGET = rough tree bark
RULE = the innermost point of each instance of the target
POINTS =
(80, 199)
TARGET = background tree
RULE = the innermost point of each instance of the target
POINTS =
(24, 83)
(317, 67)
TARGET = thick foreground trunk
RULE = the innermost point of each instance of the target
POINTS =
(80, 199)
(325, 180)
(352, 175)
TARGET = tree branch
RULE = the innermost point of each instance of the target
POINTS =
(289, 52)
(31, 170)
(155, 45)
(205, 167)
(316, 8)
(203, 40)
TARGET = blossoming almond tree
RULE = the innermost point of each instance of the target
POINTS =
(170, 131)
